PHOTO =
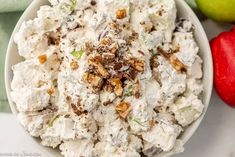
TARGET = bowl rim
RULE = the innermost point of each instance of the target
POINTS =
(182, 3)
(209, 65)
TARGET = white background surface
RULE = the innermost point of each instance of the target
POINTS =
(214, 138)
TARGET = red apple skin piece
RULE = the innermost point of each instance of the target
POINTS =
(223, 52)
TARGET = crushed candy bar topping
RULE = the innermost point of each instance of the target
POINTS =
(123, 109)
(174, 61)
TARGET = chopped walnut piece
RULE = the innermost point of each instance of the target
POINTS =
(116, 82)
(174, 61)
(121, 13)
(137, 64)
(96, 63)
(136, 89)
(123, 109)
(42, 58)
(92, 79)
(74, 65)
(50, 91)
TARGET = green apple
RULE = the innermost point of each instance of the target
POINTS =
(219, 10)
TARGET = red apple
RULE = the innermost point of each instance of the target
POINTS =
(223, 51)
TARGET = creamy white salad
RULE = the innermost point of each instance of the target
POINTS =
(103, 78)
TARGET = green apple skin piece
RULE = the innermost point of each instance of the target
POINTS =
(218, 10)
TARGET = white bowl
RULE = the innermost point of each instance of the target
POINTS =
(12, 58)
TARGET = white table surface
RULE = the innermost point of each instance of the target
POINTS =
(214, 138)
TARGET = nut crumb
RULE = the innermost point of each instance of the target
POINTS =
(121, 13)
(76, 109)
(50, 91)
(42, 59)
(74, 65)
